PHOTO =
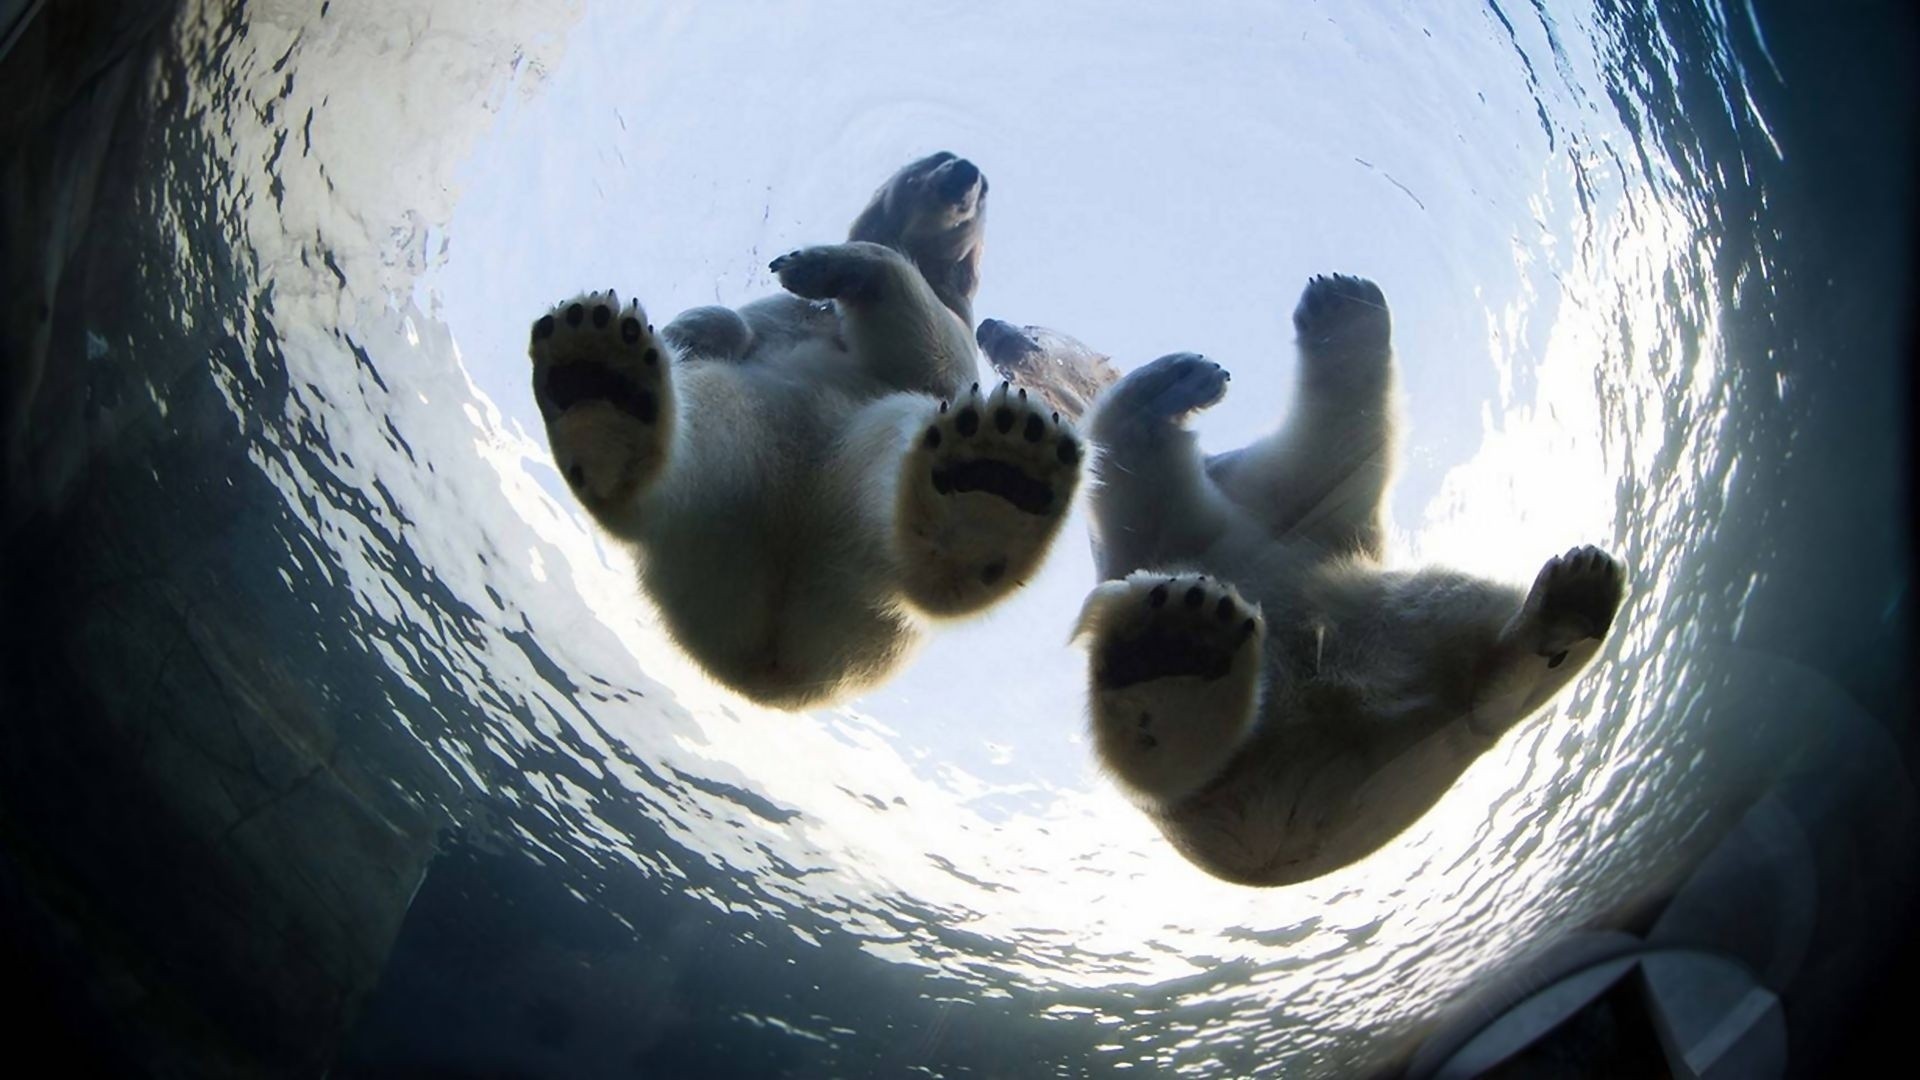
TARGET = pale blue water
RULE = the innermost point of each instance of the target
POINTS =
(1644, 296)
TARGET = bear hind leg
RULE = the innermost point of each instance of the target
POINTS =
(1557, 632)
(1175, 664)
(709, 333)
(604, 386)
(981, 493)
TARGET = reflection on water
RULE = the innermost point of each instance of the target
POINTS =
(346, 527)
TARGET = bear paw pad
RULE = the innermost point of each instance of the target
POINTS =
(984, 488)
(1574, 598)
(602, 381)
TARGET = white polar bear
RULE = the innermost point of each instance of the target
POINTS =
(1275, 699)
(808, 482)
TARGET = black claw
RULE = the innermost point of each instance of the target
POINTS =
(602, 315)
(1069, 451)
(1157, 597)
(1023, 393)
(1003, 419)
(976, 388)
(1036, 429)
(574, 314)
(630, 330)
(932, 438)
(943, 406)
(1195, 596)
(543, 329)
(967, 422)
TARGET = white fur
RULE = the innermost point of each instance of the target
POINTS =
(783, 502)
(1365, 692)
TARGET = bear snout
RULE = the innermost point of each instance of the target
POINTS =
(955, 179)
(1003, 342)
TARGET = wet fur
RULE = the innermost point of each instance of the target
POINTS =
(1361, 694)
(772, 510)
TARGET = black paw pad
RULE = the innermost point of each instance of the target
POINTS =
(630, 330)
(575, 313)
(602, 315)
(995, 478)
(543, 329)
(1161, 653)
(967, 422)
(572, 384)
(1035, 430)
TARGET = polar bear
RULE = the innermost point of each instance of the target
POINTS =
(811, 480)
(1275, 699)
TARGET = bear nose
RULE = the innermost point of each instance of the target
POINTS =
(955, 179)
(1003, 342)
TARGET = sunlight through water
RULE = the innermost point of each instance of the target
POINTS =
(367, 204)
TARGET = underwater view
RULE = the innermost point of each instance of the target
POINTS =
(342, 738)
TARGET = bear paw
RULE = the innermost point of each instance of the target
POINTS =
(852, 272)
(1342, 314)
(1166, 389)
(983, 489)
(603, 384)
(1574, 598)
(1192, 627)
(1176, 673)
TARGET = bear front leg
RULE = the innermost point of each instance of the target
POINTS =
(1556, 633)
(1155, 504)
(605, 389)
(891, 319)
(1322, 475)
(1175, 663)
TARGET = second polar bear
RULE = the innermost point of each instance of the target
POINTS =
(1279, 702)
(810, 479)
